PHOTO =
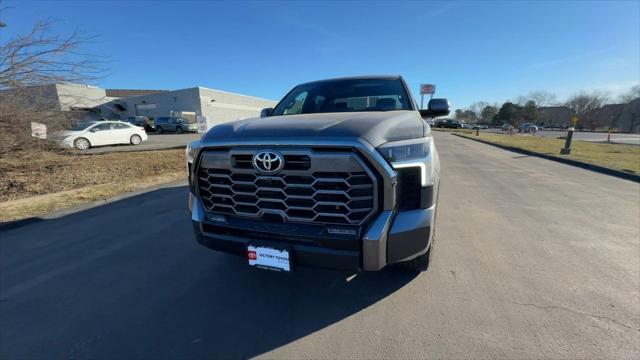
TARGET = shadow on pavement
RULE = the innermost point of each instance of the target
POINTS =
(128, 280)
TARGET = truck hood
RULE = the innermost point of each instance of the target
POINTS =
(374, 127)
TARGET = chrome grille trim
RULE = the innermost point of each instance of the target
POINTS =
(337, 188)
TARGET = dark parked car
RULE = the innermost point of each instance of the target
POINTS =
(141, 121)
(174, 124)
(450, 124)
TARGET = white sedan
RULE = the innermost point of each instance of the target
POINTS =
(96, 133)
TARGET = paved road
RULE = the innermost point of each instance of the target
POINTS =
(534, 259)
(154, 142)
(633, 139)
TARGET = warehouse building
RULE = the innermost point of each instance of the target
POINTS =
(215, 106)
(86, 102)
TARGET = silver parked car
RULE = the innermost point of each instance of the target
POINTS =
(528, 128)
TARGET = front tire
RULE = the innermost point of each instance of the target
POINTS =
(135, 139)
(179, 130)
(81, 143)
(159, 129)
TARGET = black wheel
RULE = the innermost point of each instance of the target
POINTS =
(135, 139)
(159, 129)
(179, 130)
(81, 143)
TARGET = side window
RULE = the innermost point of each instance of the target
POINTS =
(319, 103)
(102, 127)
(295, 107)
(121, 126)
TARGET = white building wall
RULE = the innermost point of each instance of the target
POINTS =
(217, 106)
(221, 106)
(163, 103)
(80, 96)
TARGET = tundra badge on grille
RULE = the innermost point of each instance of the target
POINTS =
(268, 161)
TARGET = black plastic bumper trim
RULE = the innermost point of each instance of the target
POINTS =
(302, 255)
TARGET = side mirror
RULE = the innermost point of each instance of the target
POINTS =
(437, 107)
(266, 112)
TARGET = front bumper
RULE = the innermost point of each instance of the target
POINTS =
(392, 237)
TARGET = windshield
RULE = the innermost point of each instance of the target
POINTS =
(82, 126)
(348, 95)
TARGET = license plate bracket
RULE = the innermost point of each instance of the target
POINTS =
(270, 258)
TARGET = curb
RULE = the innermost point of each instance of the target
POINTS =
(9, 225)
(580, 164)
(173, 147)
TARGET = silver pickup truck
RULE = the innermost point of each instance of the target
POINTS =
(341, 174)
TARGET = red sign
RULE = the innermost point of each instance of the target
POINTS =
(427, 89)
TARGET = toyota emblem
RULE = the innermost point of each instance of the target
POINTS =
(268, 161)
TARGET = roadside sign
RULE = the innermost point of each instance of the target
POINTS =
(574, 120)
(428, 89)
(202, 124)
(38, 130)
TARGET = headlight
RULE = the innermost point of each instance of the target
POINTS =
(411, 153)
(399, 151)
(192, 150)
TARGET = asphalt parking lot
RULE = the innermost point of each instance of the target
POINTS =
(533, 259)
(154, 142)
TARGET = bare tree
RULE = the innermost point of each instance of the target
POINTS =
(630, 95)
(521, 100)
(543, 97)
(584, 103)
(30, 62)
(476, 109)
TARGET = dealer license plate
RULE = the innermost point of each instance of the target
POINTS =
(269, 258)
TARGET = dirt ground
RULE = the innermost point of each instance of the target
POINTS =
(35, 182)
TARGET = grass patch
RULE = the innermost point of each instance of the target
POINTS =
(33, 183)
(614, 156)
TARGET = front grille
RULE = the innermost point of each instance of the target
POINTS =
(320, 187)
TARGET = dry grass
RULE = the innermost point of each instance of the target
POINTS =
(457, 131)
(33, 183)
(614, 156)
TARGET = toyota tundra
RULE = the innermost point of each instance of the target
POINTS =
(342, 173)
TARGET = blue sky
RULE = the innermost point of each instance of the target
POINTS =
(490, 51)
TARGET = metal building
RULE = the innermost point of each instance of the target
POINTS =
(215, 106)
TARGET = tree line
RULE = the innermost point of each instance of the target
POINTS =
(526, 109)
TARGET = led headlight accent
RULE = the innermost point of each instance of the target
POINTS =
(411, 153)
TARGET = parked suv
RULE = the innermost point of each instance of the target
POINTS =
(528, 128)
(174, 124)
(341, 174)
(450, 123)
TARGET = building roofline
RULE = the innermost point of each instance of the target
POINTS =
(233, 93)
